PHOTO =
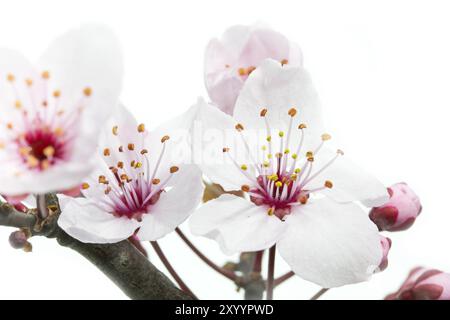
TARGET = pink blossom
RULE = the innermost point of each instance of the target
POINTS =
(424, 284)
(386, 244)
(241, 49)
(400, 212)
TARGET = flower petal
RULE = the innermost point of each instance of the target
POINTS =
(236, 224)
(85, 221)
(173, 206)
(350, 182)
(279, 88)
(331, 244)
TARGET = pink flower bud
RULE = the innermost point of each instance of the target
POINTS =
(424, 284)
(400, 212)
(386, 244)
(18, 239)
(232, 58)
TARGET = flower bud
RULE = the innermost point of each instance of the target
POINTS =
(401, 210)
(424, 284)
(386, 244)
(18, 239)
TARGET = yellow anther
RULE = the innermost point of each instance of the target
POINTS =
(18, 104)
(297, 170)
(245, 188)
(124, 177)
(281, 134)
(303, 199)
(9, 125)
(115, 130)
(273, 177)
(45, 164)
(131, 146)
(173, 169)
(138, 165)
(239, 127)
(102, 179)
(250, 69)
(49, 151)
(294, 176)
(328, 184)
(284, 61)
(85, 186)
(292, 112)
(278, 184)
(269, 138)
(45, 74)
(302, 126)
(263, 148)
(294, 156)
(270, 212)
(120, 164)
(278, 155)
(132, 163)
(325, 137)
(59, 131)
(29, 82)
(244, 167)
(56, 93)
(269, 156)
(106, 152)
(156, 181)
(10, 77)
(263, 112)
(287, 151)
(32, 161)
(141, 128)
(266, 164)
(87, 91)
(309, 154)
(165, 138)
(242, 72)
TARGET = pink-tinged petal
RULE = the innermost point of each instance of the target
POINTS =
(424, 284)
(331, 244)
(173, 206)
(85, 221)
(386, 244)
(237, 224)
(400, 211)
(16, 199)
(241, 49)
(73, 192)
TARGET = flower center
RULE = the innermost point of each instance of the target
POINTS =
(282, 178)
(130, 186)
(40, 132)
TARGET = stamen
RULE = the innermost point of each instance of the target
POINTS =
(45, 75)
(245, 188)
(106, 152)
(284, 61)
(85, 186)
(87, 91)
(115, 130)
(141, 128)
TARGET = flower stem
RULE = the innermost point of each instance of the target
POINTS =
(171, 270)
(319, 294)
(257, 265)
(283, 278)
(41, 205)
(270, 274)
(228, 274)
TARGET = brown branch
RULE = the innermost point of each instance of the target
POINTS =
(283, 278)
(270, 273)
(121, 262)
(319, 294)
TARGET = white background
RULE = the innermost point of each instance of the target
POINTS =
(382, 69)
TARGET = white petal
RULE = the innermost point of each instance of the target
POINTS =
(174, 206)
(279, 88)
(236, 224)
(85, 221)
(331, 244)
(350, 182)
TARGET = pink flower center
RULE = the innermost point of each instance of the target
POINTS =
(283, 178)
(130, 186)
